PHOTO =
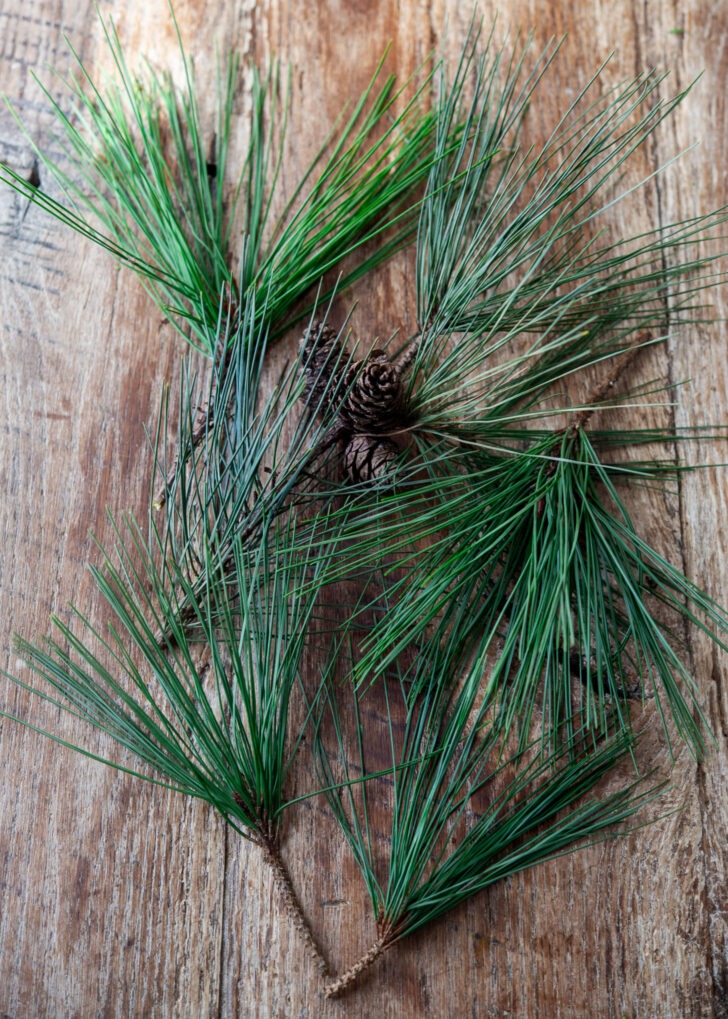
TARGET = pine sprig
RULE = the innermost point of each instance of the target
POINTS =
(447, 756)
(140, 180)
(509, 244)
(219, 737)
(209, 718)
(211, 611)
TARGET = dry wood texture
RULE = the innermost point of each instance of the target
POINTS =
(119, 899)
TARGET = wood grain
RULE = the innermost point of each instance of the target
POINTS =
(119, 899)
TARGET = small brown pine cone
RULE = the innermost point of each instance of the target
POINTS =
(368, 458)
(323, 355)
(374, 395)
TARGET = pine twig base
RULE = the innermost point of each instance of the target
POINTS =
(292, 906)
(351, 976)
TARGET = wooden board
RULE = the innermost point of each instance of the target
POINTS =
(120, 899)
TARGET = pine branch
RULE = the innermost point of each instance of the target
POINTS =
(155, 207)
(506, 246)
(447, 756)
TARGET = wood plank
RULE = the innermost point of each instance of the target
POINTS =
(119, 899)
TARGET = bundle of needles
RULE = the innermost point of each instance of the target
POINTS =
(429, 520)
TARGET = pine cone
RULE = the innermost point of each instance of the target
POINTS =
(323, 355)
(367, 458)
(374, 395)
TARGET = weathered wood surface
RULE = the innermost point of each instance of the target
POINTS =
(118, 899)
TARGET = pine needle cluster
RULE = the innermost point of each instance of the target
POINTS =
(505, 609)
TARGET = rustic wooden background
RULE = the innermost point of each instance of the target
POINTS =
(118, 899)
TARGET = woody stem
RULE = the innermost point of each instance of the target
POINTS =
(269, 844)
(205, 414)
(600, 393)
(351, 976)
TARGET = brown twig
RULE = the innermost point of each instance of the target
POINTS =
(205, 414)
(595, 399)
(403, 361)
(350, 977)
(294, 911)
(600, 393)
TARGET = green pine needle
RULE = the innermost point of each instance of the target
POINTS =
(510, 245)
